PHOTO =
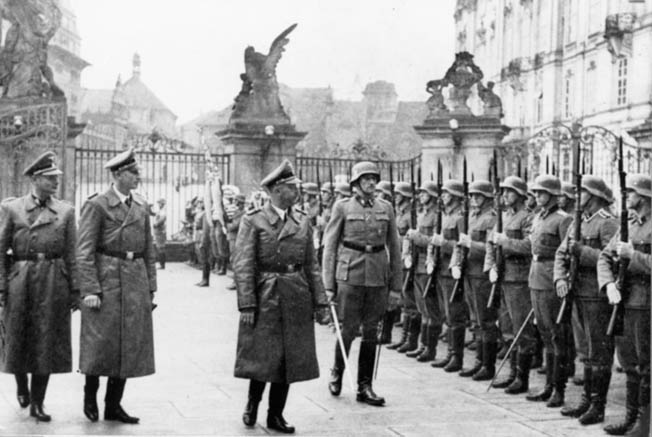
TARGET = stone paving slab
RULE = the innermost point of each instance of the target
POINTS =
(194, 392)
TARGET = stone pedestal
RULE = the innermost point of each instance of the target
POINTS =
(254, 153)
(474, 138)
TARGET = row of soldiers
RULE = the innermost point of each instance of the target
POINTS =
(451, 274)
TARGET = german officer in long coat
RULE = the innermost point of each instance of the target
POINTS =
(116, 262)
(361, 262)
(38, 284)
(280, 293)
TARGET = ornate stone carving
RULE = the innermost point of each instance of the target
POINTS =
(493, 106)
(463, 74)
(258, 101)
(24, 71)
(435, 103)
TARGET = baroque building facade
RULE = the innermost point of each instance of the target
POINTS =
(557, 61)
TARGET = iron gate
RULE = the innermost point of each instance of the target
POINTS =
(310, 167)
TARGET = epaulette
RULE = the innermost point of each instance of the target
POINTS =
(561, 212)
(253, 210)
(605, 214)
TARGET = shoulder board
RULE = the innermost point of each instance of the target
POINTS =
(253, 210)
(561, 212)
(605, 214)
(93, 195)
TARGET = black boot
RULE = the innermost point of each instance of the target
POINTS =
(457, 345)
(544, 394)
(559, 377)
(412, 336)
(423, 339)
(112, 409)
(631, 406)
(335, 383)
(600, 380)
(90, 397)
(504, 383)
(250, 415)
(488, 369)
(477, 364)
(365, 373)
(405, 326)
(221, 267)
(278, 394)
(22, 389)
(585, 400)
(205, 276)
(37, 395)
(522, 381)
(388, 324)
(431, 348)
(642, 425)
(443, 362)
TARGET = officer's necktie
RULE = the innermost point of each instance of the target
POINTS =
(128, 202)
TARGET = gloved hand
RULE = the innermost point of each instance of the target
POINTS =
(330, 295)
(430, 267)
(499, 238)
(624, 249)
(411, 233)
(92, 301)
(456, 272)
(613, 294)
(248, 317)
(437, 240)
(323, 316)
(493, 275)
(562, 288)
(407, 262)
(464, 241)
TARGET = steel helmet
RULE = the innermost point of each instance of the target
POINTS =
(568, 190)
(385, 187)
(364, 168)
(403, 188)
(481, 187)
(343, 189)
(310, 188)
(548, 183)
(430, 187)
(597, 187)
(640, 183)
(454, 187)
(515, 183)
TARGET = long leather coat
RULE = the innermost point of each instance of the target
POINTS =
(277, 276)
(35, 330)
(116, 340)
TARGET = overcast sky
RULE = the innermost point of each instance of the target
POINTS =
(193, 50)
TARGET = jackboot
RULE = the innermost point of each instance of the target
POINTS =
(642, 425)
(507, 381)
(366, 360)
(457, 346)
(405, 327)
(559, 376)
(601, 378)
(22, 389)
(278, 394)
(585, 400)
(521, 383)
(250, 415)
(90, 398)
(388, 324)
(488, 369)
(631, 408)
(431, 348)
(205, 276)
(335, 382)
(443, 362)
(221, 267)
(112, 409)
(37, 395)
(413, 334)
(546, 392)
(423, 338)
(477, 364)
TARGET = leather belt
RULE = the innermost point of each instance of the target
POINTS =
(129, 256)
(282, 268)
(368, 248)
(40, 256)
(541, 258)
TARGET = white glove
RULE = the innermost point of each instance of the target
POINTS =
(430, 267)
(456, 272)
(464, 241)
(407, 262)
(613, 294)
(624, 250)
(493, 275)
(437, 240)
(499, 238)
(410, 234)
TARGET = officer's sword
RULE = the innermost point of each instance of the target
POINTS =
(340, 341)
(509, 351)
(378, 348)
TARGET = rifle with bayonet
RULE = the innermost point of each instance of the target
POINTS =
(320, 226)
(436, 250)
(616, 320)
(458, 288)
(577, 234)
(498, 249)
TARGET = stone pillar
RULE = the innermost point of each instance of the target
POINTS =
(255, 152)
(473, 137)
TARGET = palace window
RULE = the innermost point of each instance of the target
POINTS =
(621, 98)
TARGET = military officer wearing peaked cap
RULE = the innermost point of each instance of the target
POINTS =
(280, 293)
(38, 284)
(116, 260)
(361, 261)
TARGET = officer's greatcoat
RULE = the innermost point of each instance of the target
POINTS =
(116, 340)
(35, 330)
(277, 275)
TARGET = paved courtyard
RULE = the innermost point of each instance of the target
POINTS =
(194, 393)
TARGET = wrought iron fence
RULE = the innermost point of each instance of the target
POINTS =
(175, 177)
(312, 169)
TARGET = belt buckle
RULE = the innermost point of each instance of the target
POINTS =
(129, 256)
(40, 256)
(290, 268)
(368, 248)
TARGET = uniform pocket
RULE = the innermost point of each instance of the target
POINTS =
(342, 270)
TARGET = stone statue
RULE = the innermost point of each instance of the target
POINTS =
(493, 106)
(24, 70)
(435, 102)
(463, 74)
(258, 101)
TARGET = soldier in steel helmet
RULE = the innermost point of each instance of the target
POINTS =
(597, 229)
(403, 197)
(342, 190)
(477, 287)
(633, 348)
(432, 315)
(566, 200)
(456, 311)
(515, 243)
(310, 201)
(384, 191)
(549, 228)
(361, 264)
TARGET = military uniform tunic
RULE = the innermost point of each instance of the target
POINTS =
(39, 283)
(456, 312)
(403, 219)
(429, 307)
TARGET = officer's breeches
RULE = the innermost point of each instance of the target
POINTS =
(360, 306)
